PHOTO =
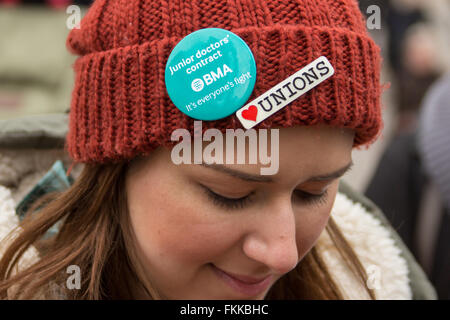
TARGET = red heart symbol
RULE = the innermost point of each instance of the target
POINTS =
(250, 113)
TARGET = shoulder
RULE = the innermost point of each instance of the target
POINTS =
(392, 271)
(8, 222)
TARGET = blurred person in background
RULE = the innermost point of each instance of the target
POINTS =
(417, 71)
(412, 186)
(414, 171)
(413, 36)
(416, 46)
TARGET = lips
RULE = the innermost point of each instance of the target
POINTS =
(247, 285)
(245, 279)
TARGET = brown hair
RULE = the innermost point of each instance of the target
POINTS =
(96, 235)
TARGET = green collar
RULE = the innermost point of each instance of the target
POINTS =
(55, 179)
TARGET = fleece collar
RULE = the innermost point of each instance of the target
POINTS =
(387, 270)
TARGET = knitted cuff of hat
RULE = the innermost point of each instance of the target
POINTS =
(120, 107)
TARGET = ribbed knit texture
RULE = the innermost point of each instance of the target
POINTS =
(120, 106)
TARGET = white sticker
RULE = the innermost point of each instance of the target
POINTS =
(285, 92)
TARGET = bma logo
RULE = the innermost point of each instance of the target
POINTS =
(198, 84)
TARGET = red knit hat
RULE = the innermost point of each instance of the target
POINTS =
(120, 107)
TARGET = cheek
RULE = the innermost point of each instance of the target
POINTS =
(310, 225)
(176, 228)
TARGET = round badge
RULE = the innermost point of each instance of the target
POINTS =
(210, 74)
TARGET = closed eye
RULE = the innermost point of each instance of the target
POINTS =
(226, 202)
(310, 198)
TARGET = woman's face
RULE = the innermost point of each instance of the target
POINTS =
(194, 222)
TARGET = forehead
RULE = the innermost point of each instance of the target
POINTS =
(303, 140)
(320, 149)
(298, 151)
(310, 136)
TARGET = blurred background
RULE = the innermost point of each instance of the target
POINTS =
(406, 172)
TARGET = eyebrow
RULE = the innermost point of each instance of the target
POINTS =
(238, 174)
(333, 175)
(260, 178)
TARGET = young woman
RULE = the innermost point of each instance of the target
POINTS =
(138, 226)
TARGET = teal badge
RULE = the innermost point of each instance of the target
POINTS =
(210, 74)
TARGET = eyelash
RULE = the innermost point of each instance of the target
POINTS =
(310, 198)
(239, 203)
(228, 203)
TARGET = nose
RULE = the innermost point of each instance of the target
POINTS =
(272, 240)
